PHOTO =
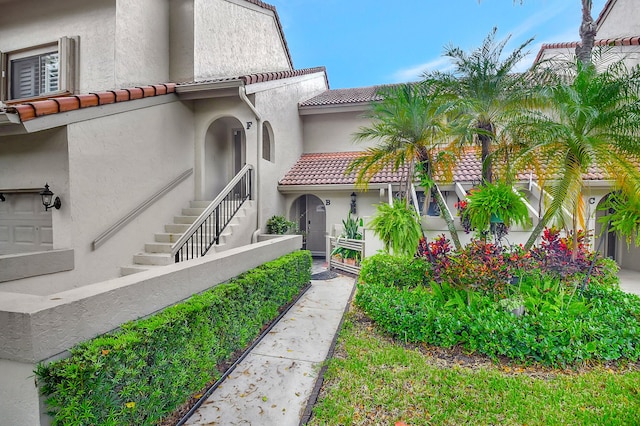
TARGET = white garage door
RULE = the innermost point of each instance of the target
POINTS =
(24, 224)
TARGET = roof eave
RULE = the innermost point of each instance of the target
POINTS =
(211, 89)
(334, 108)
(10, 124)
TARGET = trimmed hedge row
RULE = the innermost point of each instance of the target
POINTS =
(142, 372)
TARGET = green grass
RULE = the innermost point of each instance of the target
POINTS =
(374, 380)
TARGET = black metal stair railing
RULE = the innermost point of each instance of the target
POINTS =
(206, 230)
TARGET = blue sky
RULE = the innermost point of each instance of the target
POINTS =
(368, 42)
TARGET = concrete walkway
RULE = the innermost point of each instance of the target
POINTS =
(272, 385)
(629, 281)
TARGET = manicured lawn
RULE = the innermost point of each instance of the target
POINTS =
(373, 379)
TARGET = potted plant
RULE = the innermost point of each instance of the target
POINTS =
(496, 203)
(351, 231)
(398, 226)
(280, 225)
(513, 304)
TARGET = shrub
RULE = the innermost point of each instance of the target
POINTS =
(554, 254)
(397, 271)
(279, 225)
(145, 370)
(560, 327)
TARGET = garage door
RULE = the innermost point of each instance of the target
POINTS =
(24, 224)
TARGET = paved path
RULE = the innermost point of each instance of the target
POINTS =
(272, 385)
(629, 281)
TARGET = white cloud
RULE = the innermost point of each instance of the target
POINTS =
(415, 72)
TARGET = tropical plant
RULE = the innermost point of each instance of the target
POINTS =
(623, 216)
(591, 121)
(410, 124)
(398, 227)
(280, 225)
(351, 230)
(484, 93)
(496, 202)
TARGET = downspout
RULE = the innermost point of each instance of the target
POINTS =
(256, 181)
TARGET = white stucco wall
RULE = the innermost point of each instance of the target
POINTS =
(181, 39)
(233, 37)
(334, 132)
(623, 20)
(126, 158)
(141, 42)
(276, 103)
(29, 23)
(31, 160)
(279, 106)
(114, 164)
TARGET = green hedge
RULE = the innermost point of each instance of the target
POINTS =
(142, 372)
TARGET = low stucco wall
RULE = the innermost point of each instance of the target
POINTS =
(37, 328)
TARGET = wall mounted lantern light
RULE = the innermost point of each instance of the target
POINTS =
(2, 197)
(47, 196)
(353, 203)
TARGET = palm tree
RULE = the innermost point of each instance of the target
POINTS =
(409, 123)
(591, 121)
(484, 93)
(587, 33)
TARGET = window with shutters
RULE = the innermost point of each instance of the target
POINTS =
(39, 72)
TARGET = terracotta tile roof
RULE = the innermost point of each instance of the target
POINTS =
(344, 97)
(622, 41)
(262, 77)
(30, 110)
(329, 168)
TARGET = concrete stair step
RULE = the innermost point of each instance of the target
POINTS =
(167, 237)
(192, 211)
(184, 219)
(200, 204)
(153, 259)
(157, 247)
(176, 228)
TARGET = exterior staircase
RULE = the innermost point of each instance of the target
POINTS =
(158, 253)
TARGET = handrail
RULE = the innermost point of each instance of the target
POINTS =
(113, 229)
(205, 216)
(414, 199)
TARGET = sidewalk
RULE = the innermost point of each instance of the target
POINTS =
(272, 385)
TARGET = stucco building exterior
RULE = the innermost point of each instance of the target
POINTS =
(137, 114)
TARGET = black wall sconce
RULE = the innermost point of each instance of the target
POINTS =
(2, 197)
(353, 203)
(47, 196)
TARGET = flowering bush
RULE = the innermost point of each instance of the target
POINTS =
(480, 265)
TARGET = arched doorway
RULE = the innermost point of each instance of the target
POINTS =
(309, 213)
(225, 154)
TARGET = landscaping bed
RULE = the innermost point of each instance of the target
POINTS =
(143, 372)
(375, 378)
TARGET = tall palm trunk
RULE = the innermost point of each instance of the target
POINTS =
(537, 231)
(423, 160)
(485, 141)
(587, 34)
(448, 219)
